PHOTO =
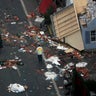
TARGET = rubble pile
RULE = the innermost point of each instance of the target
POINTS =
(57, 60)
(13, 40)
(16, 88)
(10, 63)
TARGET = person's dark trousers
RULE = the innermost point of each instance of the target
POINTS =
(1, 44)
(40, 58)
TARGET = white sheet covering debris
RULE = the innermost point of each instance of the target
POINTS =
(39, 19)
(81, 64)
(16, 88)
(13, 22)
(54, 60)
(42, 32)
(61, 47)
(71, 64)
(50, 75)
(14, 67)
(22, 50)
(68, 66)
(52, 43)
(49, 66)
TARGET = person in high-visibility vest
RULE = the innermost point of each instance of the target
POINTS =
(39, 51)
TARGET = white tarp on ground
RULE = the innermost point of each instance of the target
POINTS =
(54, 60)
(49, 66)
(39, 19)
(52, 43)
(50, 75)
(16, 88)
(42, 32)
(61, 47)
(69, 65)
(81, 64)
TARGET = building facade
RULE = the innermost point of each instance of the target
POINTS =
(75, 24)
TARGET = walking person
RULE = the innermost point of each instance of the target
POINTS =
(39, 51)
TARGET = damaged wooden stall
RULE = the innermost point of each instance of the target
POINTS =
(66, 27)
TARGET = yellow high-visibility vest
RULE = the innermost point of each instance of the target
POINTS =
(39, 50)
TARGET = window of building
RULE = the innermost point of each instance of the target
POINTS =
(93, 36)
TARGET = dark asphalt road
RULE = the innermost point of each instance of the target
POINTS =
(27, 74)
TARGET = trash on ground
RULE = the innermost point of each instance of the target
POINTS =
(81, 64)
(39, 19)
(50, 75)
(14, 67)
(16, 88)
(61, 47)
(49, 66)
(54, 60)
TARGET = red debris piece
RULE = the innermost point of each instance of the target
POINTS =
(16, 18)
(83, 71)
(32, 14)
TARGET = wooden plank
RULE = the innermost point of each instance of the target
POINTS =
(80, 5)
(67, 27)
(67, 34)
(68, 31)
(65, 23)
(64, 20)
(64, 13)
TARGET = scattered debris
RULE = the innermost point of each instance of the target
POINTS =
(39, 19)
(17, 88)
(48, 88)
(53, 59)
(61, 47)
(60, 87)
(81, 64)
(10, 63)
(49, 66)
(14, 67)
(50, 75)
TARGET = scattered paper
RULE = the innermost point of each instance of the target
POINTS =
(14, 67)
(16, 88)
(54, 60)
(50, 75)
(39, 19)
(13, 22)
(49, 66)
(81, 64)
(61, 47)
